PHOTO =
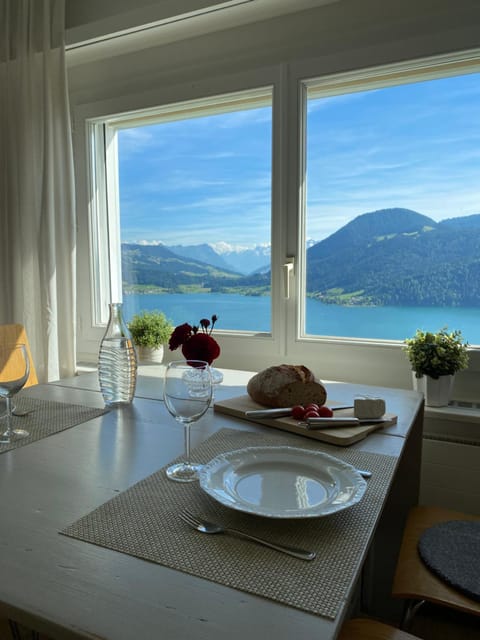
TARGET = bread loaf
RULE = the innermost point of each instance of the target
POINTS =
(286, 385)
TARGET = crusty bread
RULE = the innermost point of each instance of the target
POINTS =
(286, 385)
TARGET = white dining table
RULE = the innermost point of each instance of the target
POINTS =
(70, 589)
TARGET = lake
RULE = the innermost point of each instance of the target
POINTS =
(251, 313)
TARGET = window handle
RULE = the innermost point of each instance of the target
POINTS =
(287, 273)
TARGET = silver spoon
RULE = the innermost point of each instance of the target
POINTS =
(212, 527)
(21, 414)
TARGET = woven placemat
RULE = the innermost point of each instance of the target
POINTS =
(46, 418)
(142, 521)
(452, 551)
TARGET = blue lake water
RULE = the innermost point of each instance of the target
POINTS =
(251, 313)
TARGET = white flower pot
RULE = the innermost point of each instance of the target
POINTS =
(149, 355)
(418, 383)
(437, 392)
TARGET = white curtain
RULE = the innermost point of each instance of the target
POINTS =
(37, 211)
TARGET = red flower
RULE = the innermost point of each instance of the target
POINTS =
(196, 345)
(179, 336)
(201, 347)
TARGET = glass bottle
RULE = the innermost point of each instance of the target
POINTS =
(117, 361)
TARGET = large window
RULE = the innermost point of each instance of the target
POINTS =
(392, 207)
(193, 210)
(365, 183)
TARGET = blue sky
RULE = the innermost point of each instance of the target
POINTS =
(208, 179)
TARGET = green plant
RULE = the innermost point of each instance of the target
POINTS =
(437, 354)
(150, 329)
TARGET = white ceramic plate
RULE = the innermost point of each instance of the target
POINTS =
(282, 482)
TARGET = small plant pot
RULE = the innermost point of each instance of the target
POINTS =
(438, 391)
(419, 383)
(150, 355)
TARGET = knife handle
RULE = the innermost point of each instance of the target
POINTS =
(326, 423)
(268, 413)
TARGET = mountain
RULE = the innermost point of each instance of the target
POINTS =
(158, 266)
(463, 221)
(226, 256)
(246, 260)
(202, 252)
(398, 257)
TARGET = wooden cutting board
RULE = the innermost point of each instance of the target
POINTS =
(342, 436)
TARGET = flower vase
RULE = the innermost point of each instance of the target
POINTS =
(217, 376)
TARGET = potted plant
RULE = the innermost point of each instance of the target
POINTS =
(150, 331)
(435, 359)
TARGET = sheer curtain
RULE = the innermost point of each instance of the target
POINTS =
(37, 211)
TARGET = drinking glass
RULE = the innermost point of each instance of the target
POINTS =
(187, 393)
(14, 372)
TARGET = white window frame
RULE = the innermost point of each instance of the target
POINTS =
(368, 361)
(97, 225)
(351, 359)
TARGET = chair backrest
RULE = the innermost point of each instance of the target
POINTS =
(16, 334)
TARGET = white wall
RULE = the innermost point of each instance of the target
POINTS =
(343, 35)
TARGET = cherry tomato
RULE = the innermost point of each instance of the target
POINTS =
(311, 413)
(325, 412)
(313, 405)
(298, 412)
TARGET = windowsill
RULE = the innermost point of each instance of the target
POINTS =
(85, 367)
(456, 411)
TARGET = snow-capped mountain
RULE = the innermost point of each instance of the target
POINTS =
(240, 258)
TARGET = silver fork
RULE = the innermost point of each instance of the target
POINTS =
(212, 527)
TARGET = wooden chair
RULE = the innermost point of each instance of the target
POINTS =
(366, 629)
(16, 334)
(413, 581)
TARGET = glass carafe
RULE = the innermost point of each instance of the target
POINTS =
(117, 361)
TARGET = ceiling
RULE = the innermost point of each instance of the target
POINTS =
(91, 22)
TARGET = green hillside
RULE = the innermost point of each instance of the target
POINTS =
(398, 257)
(158, 269)
(387, 257)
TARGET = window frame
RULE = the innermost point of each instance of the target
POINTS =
(94, 225)
(341, 359)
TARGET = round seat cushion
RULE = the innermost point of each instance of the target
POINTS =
(451, 550)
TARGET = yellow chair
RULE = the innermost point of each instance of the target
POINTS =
(413, 581)
(16, 334)
(366, 629)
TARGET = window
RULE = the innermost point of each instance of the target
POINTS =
(366, 182)
(191, 207)
(392, 208)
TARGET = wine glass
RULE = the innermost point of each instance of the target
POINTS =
(187, 393)
(14, 372)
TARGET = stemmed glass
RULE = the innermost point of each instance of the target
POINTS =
(187, 393)
(14, 372)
